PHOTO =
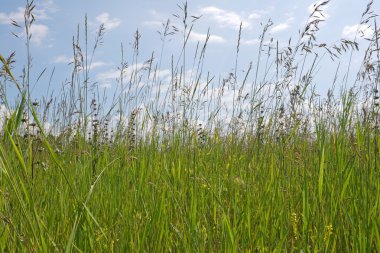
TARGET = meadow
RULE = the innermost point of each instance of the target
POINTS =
(172, 166)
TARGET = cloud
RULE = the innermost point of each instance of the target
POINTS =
(39, 33)
(63, 59)
(109, 24)
(97, 64)
(280, 27)
(224, 18)
(359, 31)
(108, 76)
(250, 42)
(254, 15)
(194, 36)
(18, 16)
(48, 5)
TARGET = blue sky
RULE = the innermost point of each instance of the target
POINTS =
(56, 24)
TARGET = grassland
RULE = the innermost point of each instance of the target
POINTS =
(267, 175)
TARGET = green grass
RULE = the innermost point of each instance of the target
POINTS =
(225, 196)
(275, 178)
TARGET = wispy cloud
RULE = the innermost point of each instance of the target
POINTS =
(18, 15)
(48, 5)
(194, 36)
(106, 78)
(63, 59)
(258, 14)
(250, 42)
(98, 64)
(282, 26)
(108, 75)
(358, 31)
(224, 18)
(254, 15)
(109, 23)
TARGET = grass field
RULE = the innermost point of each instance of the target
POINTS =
(281, 170)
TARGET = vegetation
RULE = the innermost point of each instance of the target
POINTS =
(172, 166)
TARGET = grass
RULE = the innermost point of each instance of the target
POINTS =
(266, 175)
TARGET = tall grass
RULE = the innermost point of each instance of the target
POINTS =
(172, 165)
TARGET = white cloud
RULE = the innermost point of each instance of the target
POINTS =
(109, 23)
(224, 18)
(254, 15)
(280, 27)
(362, 31)
(48, 5)
(250, 42)
(39, 33)
(194, 36)
(283, 26)
(66, 60)
(63, 59)
(156, 19)
(108, 75)
(164, 73)
(18, 16)
(97, 64)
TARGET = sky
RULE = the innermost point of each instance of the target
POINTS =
(57, 22)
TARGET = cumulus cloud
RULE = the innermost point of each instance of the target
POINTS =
(359, 31)
(109, 23)
(39, 33)
(194, 36)
(224, 18)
